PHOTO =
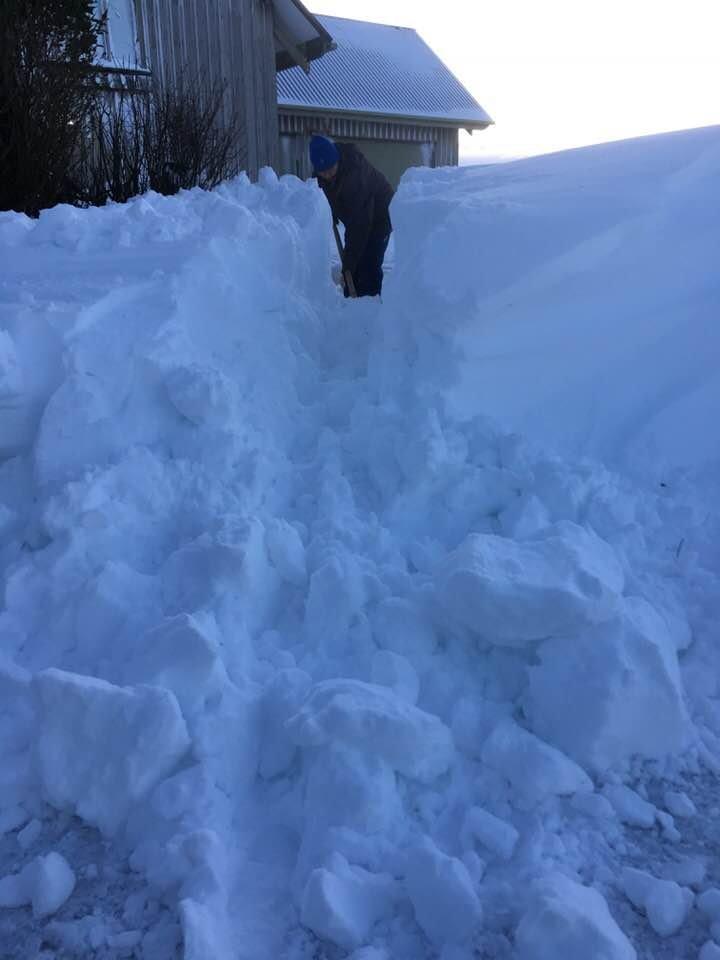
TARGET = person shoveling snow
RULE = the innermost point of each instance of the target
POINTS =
(359, 197)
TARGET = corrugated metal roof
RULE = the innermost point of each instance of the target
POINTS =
(376, 69)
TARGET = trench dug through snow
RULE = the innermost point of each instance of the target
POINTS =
(304, 656)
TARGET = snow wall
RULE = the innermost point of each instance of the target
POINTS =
(327, 657)
(585, 286)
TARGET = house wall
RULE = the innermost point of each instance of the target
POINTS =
(391, 145)
(225, 41)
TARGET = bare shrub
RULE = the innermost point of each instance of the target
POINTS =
(188, 140)
(145, 137)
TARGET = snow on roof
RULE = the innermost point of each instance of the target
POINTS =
(384, 70)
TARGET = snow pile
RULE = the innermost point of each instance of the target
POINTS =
(296, 659)
(588, 294)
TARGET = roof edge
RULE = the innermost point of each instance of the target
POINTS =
(425, 120)
(309, 49)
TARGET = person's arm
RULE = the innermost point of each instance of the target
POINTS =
(359, 220)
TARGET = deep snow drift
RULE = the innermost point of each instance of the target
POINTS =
(304, 653)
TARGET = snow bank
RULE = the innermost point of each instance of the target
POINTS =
(581, 286)
(333, 666)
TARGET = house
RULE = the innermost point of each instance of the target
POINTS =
(242, 44)
(381, 88)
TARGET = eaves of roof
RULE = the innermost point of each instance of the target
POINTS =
(424, 120)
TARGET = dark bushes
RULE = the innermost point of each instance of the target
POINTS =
(146, 137)
(72, 132)
(47, 88)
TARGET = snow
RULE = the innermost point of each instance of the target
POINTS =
(631, 699)
(667, 905)
(367, 717)
(514, 593)
(665, 902)
(29, 834)
(343, 903)
(566, 919)
(497, 836)
(365, 629)
(533, 768)
(102, 747)
(709, 903)
(46, 883)
(679, 804)
(630, 806)
(580, 292)
(442, 894)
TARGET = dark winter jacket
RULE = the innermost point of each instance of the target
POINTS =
(359, 197)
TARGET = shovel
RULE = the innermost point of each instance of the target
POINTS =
(347, 276)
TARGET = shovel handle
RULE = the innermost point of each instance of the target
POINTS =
(350, 283)
(347, 276)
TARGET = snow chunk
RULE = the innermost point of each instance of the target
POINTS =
(670, 831)
(391, 670)
(103, 747)
(370, 718)
(664, 901)
(709, 951)
(524, 518)
(567, 920)
(496, 835)
(11, 378)
(514, 593)
(345, 788)
(709, 903)
(13, 891)
(283, 698)
(46, 882)
(593, 805)
(27, 836)
(442, 894)
(201, 394)
(343, 903)
(635, 885)
(679, 804)
(181, 654)
(667, 905)
(400, 626)
(125, 942)
(286, 551)
(688, 872)
(51, 883)
(336, 595)
(534, 768)
(612, 691)
(630, 806)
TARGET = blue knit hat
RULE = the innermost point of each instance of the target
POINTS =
(323, 153)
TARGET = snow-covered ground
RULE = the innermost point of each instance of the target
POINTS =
(355, 629)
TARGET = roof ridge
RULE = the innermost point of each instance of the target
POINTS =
(365, 23)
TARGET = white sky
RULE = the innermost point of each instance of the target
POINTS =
(564, 73)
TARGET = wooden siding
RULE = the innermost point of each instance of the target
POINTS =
(230, 41)
(296, 128)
